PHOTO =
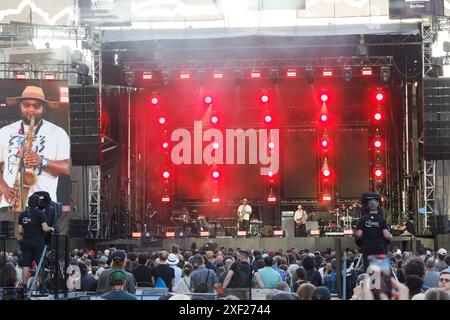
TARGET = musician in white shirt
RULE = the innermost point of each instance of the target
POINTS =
(300, 218)
(244, 211)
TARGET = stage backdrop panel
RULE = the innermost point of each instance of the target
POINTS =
(299, 163)
(352, 162)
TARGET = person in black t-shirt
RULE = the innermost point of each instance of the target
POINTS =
(163, 271)
(143, 273)
(31, 224)
(372, 230)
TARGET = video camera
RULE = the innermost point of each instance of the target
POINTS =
(366, 197)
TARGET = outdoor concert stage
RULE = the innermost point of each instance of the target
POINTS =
(273, 243)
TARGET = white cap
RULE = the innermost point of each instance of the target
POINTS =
(442, 252)
(398, 251)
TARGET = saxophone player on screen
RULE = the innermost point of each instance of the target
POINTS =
(34, 146)
(244, 211)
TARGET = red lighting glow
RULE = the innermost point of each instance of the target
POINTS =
(326, 172)
(366, 71)
(324, 118)
(324, 97)
(165, 145)
(379, 96)
(270, 173)
(271, 145)
(377, 143)
(216, 174)
(268, 119)
(291, 73)
(271, 199)
(147, 75)
(162, 120)
(378, 173)
(215, 200)
(255, 74)
(324, 143)
(377, 116)
(136, 234)
(208, 100)
(166, 174)
(166, 199)
(326, 197)
(170, 234)
(214, 119)
(264, 98)
(154, 100)
(327, 73)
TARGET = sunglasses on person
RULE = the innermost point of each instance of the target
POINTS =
(36, 105)
(444, 280)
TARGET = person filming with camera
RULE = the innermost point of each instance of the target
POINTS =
(372, 232)
(31, 224)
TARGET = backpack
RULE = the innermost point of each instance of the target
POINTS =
(160, 283)
(203, 287)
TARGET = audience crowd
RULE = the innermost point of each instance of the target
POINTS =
(230, 273)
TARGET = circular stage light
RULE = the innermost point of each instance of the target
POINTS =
(264, 98)
(326, 172)
(214, 119)
(324, 118)
(216, 145)
(324, 97)
(379, 96)
(208, 100)
(377, 116)
(271, 145)
(162, 120)
(324, 143)
(268, 119)
(215, 174)
(166, 174)
(154, 100)
(165, 145)
(377, 143)
(270, 173)
(378, 173)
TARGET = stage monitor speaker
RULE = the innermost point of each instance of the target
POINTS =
(78, 228)
(436, 93)
(85, 142)
(288, 225)
(7, 229)
(439, 224)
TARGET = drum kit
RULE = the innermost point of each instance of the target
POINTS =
(342, 220)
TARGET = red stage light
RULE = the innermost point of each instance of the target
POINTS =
(324, 118)
(147, 75)
(270, 173)
(215, 200)
(326, 197)
(154, 100)
(214, 119)
(215, 174)
(377, 116)
(264, 98)
(218, 75)
(379, 96)
(326, 172)
(271, 199)
(327, 72)
(162, 120)
(324, 97)
(208, 100)
(377, 143)
(366, 71)
(268, 119)
(378, 173)
(255, 74)
(166, 199)
(166, 174)
(165, 145)
(291, 73)
(271, 145)
(324, 143)
(216, 145)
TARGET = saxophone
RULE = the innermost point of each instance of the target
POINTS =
(28, 174)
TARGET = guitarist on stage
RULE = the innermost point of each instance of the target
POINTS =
(300, 218)
(244, 211)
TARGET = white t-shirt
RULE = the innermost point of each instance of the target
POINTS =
(246, 209)
(49, 141)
